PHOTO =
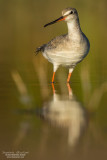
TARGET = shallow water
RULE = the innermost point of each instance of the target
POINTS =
(41, 120)
(53, 123)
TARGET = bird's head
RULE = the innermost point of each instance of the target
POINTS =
(68, 15)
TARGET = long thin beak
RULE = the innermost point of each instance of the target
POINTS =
(62, 18)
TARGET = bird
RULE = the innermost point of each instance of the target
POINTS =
(68, 49)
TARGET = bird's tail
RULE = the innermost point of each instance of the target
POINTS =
(40, 49)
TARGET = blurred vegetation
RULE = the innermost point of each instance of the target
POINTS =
(25, 78)
(22, 31)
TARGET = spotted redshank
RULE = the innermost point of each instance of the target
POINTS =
(69, 49)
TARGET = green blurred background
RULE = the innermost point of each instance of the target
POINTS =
(21, 32)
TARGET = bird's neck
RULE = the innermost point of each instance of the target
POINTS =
(74, 30)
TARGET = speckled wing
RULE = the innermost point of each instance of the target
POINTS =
(56, 43)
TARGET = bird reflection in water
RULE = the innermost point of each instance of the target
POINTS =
(66, 113)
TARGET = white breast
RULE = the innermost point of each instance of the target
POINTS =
(67, 57)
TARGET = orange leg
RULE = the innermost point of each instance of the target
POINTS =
(53, 88)
(53, 77)
(69, 76)
(69, 90)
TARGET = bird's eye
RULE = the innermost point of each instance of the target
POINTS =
(71, 12)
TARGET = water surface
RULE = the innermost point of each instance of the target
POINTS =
(60, 121)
